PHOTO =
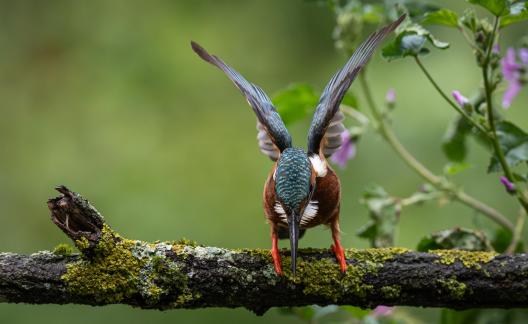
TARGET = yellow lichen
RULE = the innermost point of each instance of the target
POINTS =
(265, 254)
(324, 278)
(184, 241)
(112, 274)
(119, 268)
(470, 259)
(82, 244)
(63, 249)
(376, 255)
(453, 287)
(154, 293)
(391, 292)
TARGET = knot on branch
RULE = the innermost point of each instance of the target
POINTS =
(77, 218)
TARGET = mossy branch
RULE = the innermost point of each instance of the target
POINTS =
(168, 275)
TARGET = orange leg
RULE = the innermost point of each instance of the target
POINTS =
(337, 247)
(275, 250)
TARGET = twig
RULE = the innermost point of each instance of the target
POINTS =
(521, 196)
(516, 237)
(449, 101)
(438, 182)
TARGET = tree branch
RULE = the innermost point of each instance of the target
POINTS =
(167, 275)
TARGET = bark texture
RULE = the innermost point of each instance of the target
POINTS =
(181, 274)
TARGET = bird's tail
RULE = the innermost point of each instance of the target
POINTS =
(285, 234)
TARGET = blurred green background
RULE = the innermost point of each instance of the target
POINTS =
(107, 98)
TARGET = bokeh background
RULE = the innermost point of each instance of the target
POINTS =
(107, 98)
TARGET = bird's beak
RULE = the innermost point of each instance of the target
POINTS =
(293, 224)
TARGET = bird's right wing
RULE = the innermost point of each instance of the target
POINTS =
(273, 137)
(324, 135)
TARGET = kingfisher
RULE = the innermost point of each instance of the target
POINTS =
(302, 190)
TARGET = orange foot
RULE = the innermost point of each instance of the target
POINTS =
(276, 261)
(340, 256)
(275, 253)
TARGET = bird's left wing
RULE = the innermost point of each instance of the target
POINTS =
(272, 135)
(324, 135)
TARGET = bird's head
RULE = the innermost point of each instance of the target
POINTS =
(294, 185)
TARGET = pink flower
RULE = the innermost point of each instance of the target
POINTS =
(514, 87)
(459, 98)
(509, 63)
(390, 97)
(510, 187)
(346, 152)
(511, 70)
(495, 49)
(523, 55)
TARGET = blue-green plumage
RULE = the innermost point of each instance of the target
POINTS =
(292, 187)
(292, 178)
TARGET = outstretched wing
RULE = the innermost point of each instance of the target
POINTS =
(325, 131)
(272, 135)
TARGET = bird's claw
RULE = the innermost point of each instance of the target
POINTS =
(340, 256)
(276, 261)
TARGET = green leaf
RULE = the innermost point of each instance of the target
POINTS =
(384, 212)
(513, 142)
(404, 45)
(443, 17)
(419, 30)
(518, 7)
(496, 7)
(426, 243)
(410, 42)
(295, 102)
(367, 231)
(418, 8)
(518, 12)
(501, 240)
(456, 238)
(520, 177)
(454, 141)
(451, 169)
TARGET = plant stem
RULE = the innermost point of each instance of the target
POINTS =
(468, 40)
(521, 197)
(437, 181)
(449, 101)
(519, 224)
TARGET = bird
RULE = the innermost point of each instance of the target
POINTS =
(302, 190)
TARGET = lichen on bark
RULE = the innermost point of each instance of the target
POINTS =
(120, 268)
(454, 288)
(470, 259)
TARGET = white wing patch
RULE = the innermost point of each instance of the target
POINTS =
(318, 165)
(279, 209)
(282, 214)
(310, 212)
